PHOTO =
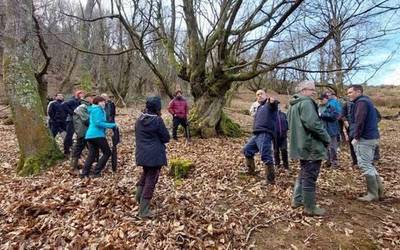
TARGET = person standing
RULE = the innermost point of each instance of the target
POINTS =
(365, 136)
(308, 143)
(69, 107)
(179, 110)
(57, 116)
(253, 108)
(96, 137)
(347, 127)
(109, 108)
(280, 143)
(151, 136)
(81, 123)
(261, 141)
(330, 117)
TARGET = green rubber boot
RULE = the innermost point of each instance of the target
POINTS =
(138, 194)
(144, 209)
(297, 199)
(310, 207)
(381, 190)
(372, 189)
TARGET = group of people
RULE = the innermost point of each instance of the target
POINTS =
(315, 131)
(87, 116)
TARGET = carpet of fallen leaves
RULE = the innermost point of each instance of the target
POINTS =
(215, 208)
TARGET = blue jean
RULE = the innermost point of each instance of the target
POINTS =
(365, 151)
(332, 151)
(260, 143)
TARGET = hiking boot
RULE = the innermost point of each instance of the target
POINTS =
(297, 199)
(144, 209)
(138, 194)
(250, 166)
(310, 207)
(270, 174)
(381, 191)
(74, 163)
(372, 189)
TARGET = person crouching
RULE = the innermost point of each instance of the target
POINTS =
(151, 135)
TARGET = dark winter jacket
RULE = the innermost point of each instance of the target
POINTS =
(265, 118)
(330, 117)
(151, 136)
(281, 125)
(308, 137)
(56, 112)
(110, 111)
(70, 106)
(365, 119)
(178, 107)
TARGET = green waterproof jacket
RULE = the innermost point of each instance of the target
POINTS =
(308, 137)
(81, 119)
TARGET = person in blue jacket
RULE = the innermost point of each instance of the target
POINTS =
(261, 141)
(151, 135)
(96, 137)
(330, 117)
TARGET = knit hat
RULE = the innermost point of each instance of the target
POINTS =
(153, 104)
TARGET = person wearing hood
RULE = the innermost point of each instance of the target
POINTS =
(151, 136)
(308, 143)
(179, 110)
(69, 107)
(365, 134)
(261, 141)
(81, 123)
(96, 137)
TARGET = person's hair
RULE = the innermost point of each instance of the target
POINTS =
(260, 90)
(98, 99)
(357, 87)
(104, 95)
(304, 85)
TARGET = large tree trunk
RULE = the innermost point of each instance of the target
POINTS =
(207, 118)
(37, 148)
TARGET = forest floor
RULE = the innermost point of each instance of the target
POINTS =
(214, 208)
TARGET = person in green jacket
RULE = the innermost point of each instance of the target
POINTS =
(308, 143)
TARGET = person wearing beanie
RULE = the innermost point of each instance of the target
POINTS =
(69, 107)
(151, 136)
(179, 110)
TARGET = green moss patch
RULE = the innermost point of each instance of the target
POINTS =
(229, 128)
(179, 168)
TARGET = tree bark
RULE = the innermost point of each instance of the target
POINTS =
(38, 149)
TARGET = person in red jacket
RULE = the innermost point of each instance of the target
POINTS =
(179, 109)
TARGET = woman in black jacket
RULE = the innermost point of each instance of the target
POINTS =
(151, 136)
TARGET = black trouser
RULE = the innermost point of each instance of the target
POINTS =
(56, 127)
(377, 155)
(79, 146)
(280, 149)
(148, 181)
(176, 121)
(68, 137)
(309, 171)
(94, 145)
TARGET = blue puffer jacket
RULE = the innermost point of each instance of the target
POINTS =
(265, 118)
(330, 117)
(151, 136)
(97, 122)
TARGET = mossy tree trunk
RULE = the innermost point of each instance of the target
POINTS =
(38, 150)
